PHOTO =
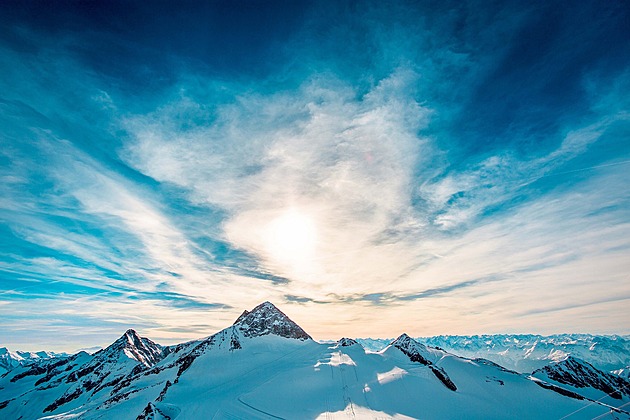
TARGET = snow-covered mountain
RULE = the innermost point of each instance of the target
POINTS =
(583, 378)
(267, 319)
(11, 359)
(133, 347)
(265, 366)
(527, 352)
(70, 381)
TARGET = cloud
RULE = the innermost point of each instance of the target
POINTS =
(346, 162)
(461, 196)
(397, 163)
(396, 223)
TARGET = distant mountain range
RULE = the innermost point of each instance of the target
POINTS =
(12, 359)
(528, 352)
(265, 366)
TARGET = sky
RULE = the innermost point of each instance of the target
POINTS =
(372, 168)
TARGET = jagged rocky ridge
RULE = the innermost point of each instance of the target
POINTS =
(419, 353)
(134, 347)
(128, 355)
(580, 374)
(267, 319)
(247, 369)
(528, 352)
(347, 342)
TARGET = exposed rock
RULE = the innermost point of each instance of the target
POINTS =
(417, 353)
(266, 319)
(347, 342)
(580, 374)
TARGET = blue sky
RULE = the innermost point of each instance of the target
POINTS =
(371, 168)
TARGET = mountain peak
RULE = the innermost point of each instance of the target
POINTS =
(130, 339)
(265, 307)
(404, 342)
(132, 335)
(134, 347)
(416, 351)
(402, 338)
(347, 342)
(265, 319)
(581, 374)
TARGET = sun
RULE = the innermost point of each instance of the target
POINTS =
(291, 238)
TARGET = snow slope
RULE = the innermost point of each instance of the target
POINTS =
(528, 352)
(275, 377)
(583, 378)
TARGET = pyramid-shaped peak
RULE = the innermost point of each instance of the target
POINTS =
(129, 339)
(347, 342)
(131, 334)
(265, 306)
(264, 310)
(402, 338)
(265, 319)
(578, 373)
(404, 342)
(417, 352)
(135, 347)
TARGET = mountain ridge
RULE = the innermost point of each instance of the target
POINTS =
(527, 352)
(265, 365)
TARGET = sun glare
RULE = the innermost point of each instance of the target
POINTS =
(291, 238)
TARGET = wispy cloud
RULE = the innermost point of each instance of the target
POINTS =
(338, 159)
